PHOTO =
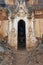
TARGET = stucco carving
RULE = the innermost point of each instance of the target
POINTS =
(30, 38)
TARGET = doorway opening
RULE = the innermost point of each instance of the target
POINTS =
(21, 35)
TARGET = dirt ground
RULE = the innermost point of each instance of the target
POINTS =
(21, 57)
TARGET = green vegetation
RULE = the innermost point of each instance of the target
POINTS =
(42, 38)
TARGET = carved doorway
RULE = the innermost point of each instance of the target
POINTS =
(21, 35)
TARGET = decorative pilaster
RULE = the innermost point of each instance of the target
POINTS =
(31, 34)
(12, 33)
(10, 24)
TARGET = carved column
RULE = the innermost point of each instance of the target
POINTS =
(31, 35)
(33, 27)
(10, 24)
(12, 34)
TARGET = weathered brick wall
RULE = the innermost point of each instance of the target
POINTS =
(4, 28)
(9, 2)
(38, 27)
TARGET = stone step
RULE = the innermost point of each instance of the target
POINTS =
(20, 57)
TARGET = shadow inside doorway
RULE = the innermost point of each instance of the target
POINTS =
(21, 35)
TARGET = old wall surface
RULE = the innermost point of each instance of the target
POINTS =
(38, 27)
(4, 27)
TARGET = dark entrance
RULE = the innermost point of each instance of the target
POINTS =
(21, 35)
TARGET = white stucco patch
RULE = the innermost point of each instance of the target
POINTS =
(17, 19)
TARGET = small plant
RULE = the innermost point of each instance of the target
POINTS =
(42, 38)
